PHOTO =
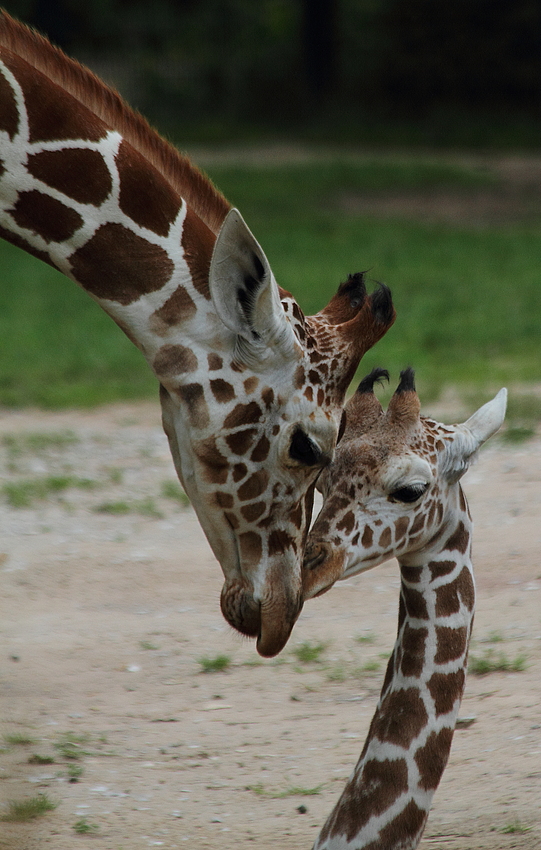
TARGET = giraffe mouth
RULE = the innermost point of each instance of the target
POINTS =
(270, 623)
(322, 566)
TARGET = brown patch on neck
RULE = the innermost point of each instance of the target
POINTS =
(98, 105)
(145, 196)
(79, 173)
(198, 243)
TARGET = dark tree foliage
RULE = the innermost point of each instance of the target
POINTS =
(292, 62)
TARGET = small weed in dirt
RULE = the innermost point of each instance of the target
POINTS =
(144, 507)
(18, 739)
(494, 637)
(492, 663)
(37, 443)
(292, 791)
(24, 810)
(146, 644)
(337, 674)
(214, 665)
(25, 491)
(173, 490)
(368, 638)
(70, 746)
(82, 827)
(515, 827)
(75, 771)
(115, 508)
(308, 652)
(37, 759)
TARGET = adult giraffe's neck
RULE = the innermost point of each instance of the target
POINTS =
(387, 799)
(93, 200)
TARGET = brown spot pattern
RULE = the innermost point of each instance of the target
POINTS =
(367, 538)
(385, 538)
(254, 486)
(371, 794)
(179, 307)
(413, 651)
(415, 604)
(400, 528)
(119, 265)
(261, 451)
(222, 390)
(17, 240)
(449, 596)
(441, 568)
(214, 360)
(432, 758)
(194, 398)
(53, 115)
(241, 441)
(409, 823)
(279, 541)
(451, 643)
(224, 500)
(251, 547)
(250, 384)
(252, 512)
(400, 718)
(145, 196)
(198, 243)
(79, 173)
(459, 540)
(243, 414)
(216, 464)
(347, 523)
(9, 117)
(49, 218)
(174, 360)
(445, 689)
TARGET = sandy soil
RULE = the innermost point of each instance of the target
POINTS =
(106, 617)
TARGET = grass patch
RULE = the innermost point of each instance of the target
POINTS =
(308, 652)
(70, 746)
(143, 507)
(37, 759)
(292, 791)
(368, 638)
(25, 810)
(18, 739)
(217, 664)
(38, 442)
(445, 278)
(24, 492)
(515, 828)
(490, 662)
(173, 490)
(146, 644)
(82, 827)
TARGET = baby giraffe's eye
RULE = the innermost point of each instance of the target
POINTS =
(408, 494)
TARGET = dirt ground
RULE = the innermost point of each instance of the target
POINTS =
(108, 617)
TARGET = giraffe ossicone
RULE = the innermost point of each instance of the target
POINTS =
(393, 490)
(251, 389)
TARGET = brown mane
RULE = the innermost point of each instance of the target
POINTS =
(191, 184)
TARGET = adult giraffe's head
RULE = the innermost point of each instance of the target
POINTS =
(255, 420)
(251, 389)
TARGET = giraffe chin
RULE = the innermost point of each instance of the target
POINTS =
(270, 624)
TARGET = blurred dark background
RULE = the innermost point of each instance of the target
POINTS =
(466, 72)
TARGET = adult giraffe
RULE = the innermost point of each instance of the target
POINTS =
(394, 490)
(251, 389)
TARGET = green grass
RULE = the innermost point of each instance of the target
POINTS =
(308, 652)
(25, 810)
(18, 739)
(82, 827)
(24, 492)
(143, 507)
(292, 791)
(216, 664)
(468, 298)
(515, 828)
(173, 490)
(489, 662)
(37, 442)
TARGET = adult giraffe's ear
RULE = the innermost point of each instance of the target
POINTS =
(243, 289)
(460, 451)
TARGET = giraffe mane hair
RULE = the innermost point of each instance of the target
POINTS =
(190, 183)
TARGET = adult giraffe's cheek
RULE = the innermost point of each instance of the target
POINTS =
(322, 566)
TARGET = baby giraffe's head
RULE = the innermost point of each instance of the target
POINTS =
(393, 488)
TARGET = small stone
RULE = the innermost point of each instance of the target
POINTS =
(302, 809)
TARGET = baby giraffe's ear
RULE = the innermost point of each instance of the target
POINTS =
(461, 449)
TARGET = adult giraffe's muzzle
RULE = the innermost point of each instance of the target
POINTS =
(270, 620)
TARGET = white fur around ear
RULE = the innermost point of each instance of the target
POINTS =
(243, 288)
(469, 437)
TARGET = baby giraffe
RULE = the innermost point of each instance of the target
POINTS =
(393, 491)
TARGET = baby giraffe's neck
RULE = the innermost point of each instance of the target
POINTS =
(387, 799)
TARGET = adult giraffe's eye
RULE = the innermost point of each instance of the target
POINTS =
(408, 494)
(303, 449)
